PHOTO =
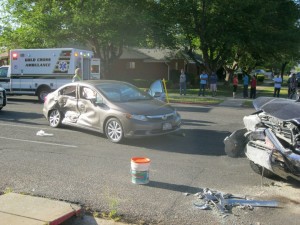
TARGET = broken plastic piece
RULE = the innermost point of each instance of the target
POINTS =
(42, 133)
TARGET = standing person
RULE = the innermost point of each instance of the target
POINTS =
(292, 86)
(277, 85)
(203, 83)
(182, 82)
(246, 84)
(253, 84)
(77, 76)
(235, 85)
(213, 83)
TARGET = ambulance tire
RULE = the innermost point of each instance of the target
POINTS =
(42, 93)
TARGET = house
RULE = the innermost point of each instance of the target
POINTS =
(4, 58)
(148, 64)
(152, 64)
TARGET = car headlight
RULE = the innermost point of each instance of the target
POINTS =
(136, 117)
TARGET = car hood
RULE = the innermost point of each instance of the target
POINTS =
(283, 109)
(148, 107)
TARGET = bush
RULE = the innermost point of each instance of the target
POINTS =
(169, 84)
(260, 78)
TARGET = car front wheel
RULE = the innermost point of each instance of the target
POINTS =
(55, 118)
(114, 130)
(260, 170)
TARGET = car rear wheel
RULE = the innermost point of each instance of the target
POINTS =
(55, 118)
(114, 130)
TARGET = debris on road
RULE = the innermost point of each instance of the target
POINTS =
(43, 133)
(225, 202)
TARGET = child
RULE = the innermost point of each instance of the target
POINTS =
(253, 87)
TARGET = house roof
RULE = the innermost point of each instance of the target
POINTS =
(157, 55)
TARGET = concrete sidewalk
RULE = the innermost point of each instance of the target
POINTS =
(233, 102)
(18, 209)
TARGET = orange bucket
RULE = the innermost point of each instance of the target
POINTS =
(140, 170)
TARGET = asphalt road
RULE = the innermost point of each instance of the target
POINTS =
(85, 168)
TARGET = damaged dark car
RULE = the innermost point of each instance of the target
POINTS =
(270, 138)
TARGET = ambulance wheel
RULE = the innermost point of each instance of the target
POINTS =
(114, 130)
(55, 118)
(42, 93)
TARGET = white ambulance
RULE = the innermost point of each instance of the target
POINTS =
(40, 71)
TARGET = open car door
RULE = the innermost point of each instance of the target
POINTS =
(157, 90)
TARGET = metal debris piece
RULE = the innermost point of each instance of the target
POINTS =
(223, 202)
(204, 206)
(254, 203)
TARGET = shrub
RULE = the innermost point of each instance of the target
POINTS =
(141, 83)
(169, 84)
(260, 78)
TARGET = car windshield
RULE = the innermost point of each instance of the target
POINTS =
(122, 92)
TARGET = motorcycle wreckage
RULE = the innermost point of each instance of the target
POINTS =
(270, 138)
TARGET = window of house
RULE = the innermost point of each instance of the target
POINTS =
(131, 65)
(176, 66)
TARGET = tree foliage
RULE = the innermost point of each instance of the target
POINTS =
(102, 25)
(247, 33)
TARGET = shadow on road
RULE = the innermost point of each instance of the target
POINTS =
(18, 117)
(174, 187)
(12, 100)
(209, 142)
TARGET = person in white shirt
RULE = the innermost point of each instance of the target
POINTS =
(277, 85)
(182, 83)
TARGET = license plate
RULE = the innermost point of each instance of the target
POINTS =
(167, 126)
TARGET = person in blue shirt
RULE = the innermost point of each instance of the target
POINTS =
(203, 83)
(246, 84)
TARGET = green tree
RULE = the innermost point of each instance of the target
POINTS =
(102, 25)
(249, 32)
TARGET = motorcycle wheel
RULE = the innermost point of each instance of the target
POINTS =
(258, 169)
(235, 143)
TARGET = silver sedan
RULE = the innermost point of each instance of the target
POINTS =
(118, 109)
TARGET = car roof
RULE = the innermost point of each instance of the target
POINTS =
(95, 82)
